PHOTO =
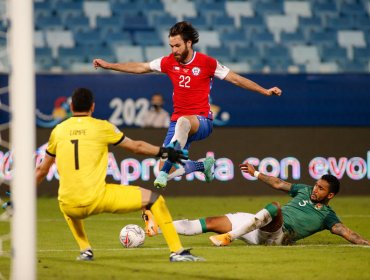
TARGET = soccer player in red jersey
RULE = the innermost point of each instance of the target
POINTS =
(191, 73)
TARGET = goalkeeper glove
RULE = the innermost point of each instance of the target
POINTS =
(172, 155)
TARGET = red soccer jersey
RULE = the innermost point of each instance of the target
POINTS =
(192, 82)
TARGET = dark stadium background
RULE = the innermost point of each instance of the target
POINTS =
(317, 51)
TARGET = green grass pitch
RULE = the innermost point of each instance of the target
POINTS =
(321, 256)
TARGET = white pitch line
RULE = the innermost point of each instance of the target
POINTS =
(214, 247)
(208, 247)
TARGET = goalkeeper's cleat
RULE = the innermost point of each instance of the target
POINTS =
(208, 169)
(185, 256)
(151, 227)
(161, 180)
(86, 255)
(221, 239)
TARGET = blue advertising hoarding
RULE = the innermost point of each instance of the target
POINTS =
(307, 100)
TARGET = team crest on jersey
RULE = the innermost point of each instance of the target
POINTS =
(176, 68)
(318, 206)
(195, 71)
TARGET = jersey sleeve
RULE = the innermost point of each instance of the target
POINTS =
(113, 134)
(155, 65)
(330, 220)
(52, 147)
(221, 71)
(294, 190)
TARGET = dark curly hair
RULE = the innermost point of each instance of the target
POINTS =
(334, 184)
(186, 31)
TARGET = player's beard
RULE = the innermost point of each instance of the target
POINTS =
(181, 57)
(315, 200)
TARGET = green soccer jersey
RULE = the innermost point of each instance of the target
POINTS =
(302, 217)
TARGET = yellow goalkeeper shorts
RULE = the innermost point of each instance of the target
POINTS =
(115, 199)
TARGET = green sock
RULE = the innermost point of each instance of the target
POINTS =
(203, 224)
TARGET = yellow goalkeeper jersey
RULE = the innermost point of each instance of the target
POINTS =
(80, 145)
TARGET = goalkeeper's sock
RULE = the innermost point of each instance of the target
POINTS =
(259, 220)
(77, 228)
(164, 221)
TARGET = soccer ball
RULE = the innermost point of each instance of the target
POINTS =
(132, 236)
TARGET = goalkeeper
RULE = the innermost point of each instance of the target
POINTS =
(307, 213)
(79, 146)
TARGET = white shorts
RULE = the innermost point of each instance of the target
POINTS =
(256, 237)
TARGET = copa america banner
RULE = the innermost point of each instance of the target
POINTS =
(292, 154)
(307, 100)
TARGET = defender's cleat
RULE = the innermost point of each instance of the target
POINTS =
(161, 180)
(221, 239)
(208, 169)
(151, 227)
(185, 256)
(86, 255)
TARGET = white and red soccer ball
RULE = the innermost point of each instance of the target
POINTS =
(132, 236)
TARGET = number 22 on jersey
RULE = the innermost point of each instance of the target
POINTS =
(184, 81)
